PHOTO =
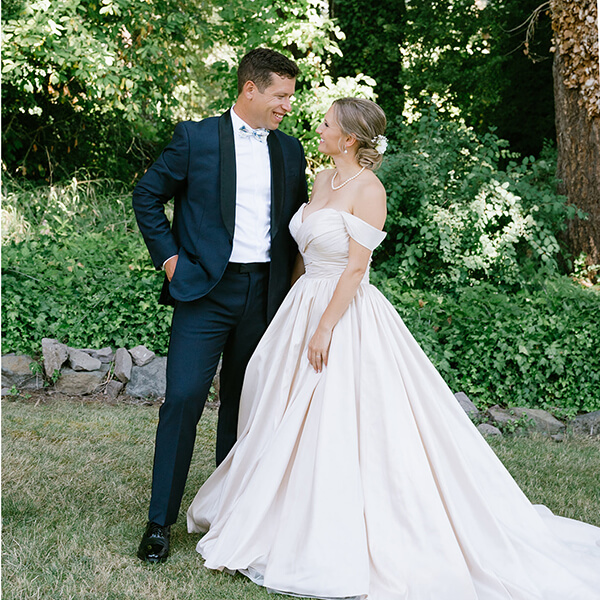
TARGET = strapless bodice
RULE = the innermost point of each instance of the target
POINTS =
(323, 240)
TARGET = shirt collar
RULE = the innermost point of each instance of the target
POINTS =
(238, 123)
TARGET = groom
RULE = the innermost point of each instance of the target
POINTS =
(227, 257)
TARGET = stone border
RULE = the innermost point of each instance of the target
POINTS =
(139, 373)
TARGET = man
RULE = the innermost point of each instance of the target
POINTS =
(228, 258)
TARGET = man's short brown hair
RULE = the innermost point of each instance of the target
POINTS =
(260, 63)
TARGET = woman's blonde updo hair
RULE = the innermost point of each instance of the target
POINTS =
(365, 120)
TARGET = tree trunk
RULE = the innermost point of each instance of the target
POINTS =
(578, 141)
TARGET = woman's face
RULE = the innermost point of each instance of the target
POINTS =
(332, 140)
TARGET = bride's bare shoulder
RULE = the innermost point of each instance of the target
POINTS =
(330, 170)
(370, 204)
(321, 179)
(323, 175)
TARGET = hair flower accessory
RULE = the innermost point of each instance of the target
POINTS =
(380, 142)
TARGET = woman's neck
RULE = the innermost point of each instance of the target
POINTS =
(346, 165)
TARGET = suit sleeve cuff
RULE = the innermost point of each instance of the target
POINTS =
(166, 261)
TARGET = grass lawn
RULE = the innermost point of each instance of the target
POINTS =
(75, 490)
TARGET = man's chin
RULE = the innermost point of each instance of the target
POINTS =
(275, 123)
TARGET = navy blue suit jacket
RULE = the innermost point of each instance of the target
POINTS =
(198, 170)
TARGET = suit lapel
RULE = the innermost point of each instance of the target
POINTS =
(277, 181)
(227, 171)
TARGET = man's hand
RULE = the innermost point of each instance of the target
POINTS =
(170, 267)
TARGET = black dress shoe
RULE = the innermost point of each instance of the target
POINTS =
(154, 547)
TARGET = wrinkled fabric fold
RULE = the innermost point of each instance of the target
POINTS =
(367, 480)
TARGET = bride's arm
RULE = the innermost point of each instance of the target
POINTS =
(373, 212)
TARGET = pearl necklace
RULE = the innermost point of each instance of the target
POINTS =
(345, 182)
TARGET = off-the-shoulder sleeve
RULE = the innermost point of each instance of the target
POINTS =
(360, 231)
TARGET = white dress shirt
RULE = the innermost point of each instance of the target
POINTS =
(252, 233)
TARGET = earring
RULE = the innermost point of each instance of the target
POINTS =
(345, 150)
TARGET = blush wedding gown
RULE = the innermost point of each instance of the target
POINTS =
(368, 480)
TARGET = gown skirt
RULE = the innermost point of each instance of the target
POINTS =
(367, 480)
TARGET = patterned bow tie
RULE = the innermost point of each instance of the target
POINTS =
(259, 134)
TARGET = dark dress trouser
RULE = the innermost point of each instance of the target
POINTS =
(230, 320)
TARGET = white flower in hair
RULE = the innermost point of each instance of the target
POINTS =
(380, 142)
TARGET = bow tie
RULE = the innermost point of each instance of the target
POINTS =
(259, 134)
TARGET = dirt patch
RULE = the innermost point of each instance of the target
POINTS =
(50, 396)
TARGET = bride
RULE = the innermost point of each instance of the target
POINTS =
(356, 474)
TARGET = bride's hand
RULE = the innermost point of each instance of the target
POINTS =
(318, 349)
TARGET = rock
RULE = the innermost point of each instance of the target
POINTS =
(5, 392)
(82, 361)
(113, 388)
(104, 355)
(16, 371)
(104, 367)
(75, 383)
(588, 424)
(543, 421)
(466, 404)
(487, 429)
(55, 355)
(123, 364)
(141, 355)
(558, 437)
(149, 380)
(502, 416)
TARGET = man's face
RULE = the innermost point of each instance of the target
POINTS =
(267, 108)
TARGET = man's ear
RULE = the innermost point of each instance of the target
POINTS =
(249, 90)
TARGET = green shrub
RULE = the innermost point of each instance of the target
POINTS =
(84, 291)
(463, 209)
(74, 267)
(535, 348)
